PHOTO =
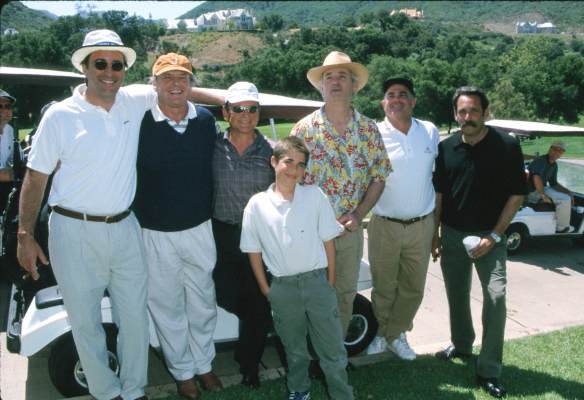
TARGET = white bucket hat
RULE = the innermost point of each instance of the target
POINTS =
(336, 59)
(242, 91)
(102, 39)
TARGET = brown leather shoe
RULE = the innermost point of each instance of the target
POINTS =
(188, 389)
(210, 382)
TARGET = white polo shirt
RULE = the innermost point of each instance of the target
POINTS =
(289, 234)
(409, 192)
(96, 149)
(6, 146)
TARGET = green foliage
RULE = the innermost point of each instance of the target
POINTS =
(15, 15)
(272, 22)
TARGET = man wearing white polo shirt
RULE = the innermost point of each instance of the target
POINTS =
(401, 229)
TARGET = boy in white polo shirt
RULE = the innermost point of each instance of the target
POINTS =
(292, 227)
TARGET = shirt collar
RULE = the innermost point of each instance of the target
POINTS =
(159, 116)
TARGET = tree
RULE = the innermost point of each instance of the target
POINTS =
(272, 22)
(508, 103)
(182, 26)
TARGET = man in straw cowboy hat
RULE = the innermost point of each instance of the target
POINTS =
(90, 139)
(348, 162)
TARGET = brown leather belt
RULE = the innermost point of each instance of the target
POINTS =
(108, 219)
(404, 221)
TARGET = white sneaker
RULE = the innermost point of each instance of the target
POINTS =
(378, 345)
(402, 349)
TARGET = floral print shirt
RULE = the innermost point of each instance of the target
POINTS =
(343, 164)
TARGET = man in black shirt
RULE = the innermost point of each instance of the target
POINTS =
(480, 185)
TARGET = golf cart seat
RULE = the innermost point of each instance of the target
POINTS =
(51, 296)
(540, 206)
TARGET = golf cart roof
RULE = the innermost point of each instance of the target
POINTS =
(528, 128)
(284, 107)
(34, 76)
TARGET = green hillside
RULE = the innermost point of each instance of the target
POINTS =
(15, 15)
(567, 15)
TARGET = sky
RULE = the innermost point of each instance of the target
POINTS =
(158, 9)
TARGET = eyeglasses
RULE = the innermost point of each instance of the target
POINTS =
(5, 106)
(101, 64)
(249, 109)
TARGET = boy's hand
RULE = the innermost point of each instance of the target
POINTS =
(265, 290)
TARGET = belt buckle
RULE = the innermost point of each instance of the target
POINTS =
(109, 219)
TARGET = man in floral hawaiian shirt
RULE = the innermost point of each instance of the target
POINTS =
(348, 162)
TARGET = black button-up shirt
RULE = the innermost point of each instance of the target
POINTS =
(476, 181)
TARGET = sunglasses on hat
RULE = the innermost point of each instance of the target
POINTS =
(101, 64)
(240, 109)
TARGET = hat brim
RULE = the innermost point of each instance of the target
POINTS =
(8, 97)
(173, 68)
(314, 74)
(81, 53)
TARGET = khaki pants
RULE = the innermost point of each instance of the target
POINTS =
(399, 256)
(348, 254)
(492, 272)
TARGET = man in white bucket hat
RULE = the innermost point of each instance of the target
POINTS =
(348, 162)
(89, 141)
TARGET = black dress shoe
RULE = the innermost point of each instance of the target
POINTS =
(252, 381)
(492, 386)
(450, 352)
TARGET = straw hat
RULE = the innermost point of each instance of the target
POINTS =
(336, 59)
(102, 39)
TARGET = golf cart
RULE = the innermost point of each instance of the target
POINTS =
(37, 318)
(539, 220)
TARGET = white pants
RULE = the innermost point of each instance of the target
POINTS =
(87, 258)
(181, 297)
(563, 204)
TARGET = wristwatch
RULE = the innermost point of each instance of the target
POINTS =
(495, 237)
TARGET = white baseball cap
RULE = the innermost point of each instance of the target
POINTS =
(102, 39)
(242, 91)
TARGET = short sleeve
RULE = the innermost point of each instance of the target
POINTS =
(46, 146)
(249, 242)
(380, 165)
(328, 226)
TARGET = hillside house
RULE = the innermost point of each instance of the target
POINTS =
(222, 20)
(534, 27)
(412, 13)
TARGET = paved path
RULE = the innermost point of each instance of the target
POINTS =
(544, 294)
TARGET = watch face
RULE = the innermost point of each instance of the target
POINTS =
(496, 237)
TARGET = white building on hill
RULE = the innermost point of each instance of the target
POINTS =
(222, 20)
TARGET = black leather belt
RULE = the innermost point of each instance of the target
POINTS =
(108, 219)
(404, 221)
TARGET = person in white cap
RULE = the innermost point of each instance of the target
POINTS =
(544, 186)
(348, 161)
(90, 141)
(241, 168)
(173, 205)
(6, 147)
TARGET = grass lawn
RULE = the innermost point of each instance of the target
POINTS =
(549, 366)
(541, 145)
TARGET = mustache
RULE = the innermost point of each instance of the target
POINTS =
(470, 123)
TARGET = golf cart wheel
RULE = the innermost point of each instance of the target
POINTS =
(65, 369)
(516, 238)
(362, 328)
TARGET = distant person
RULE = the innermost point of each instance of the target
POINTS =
(544, 186)
(6, 147)
(402, 226)
(241, 168)
(480, 184)
(347, 161)
(292, 227)
(173, 205)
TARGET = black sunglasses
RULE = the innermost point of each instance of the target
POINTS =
(102, 64)
(5, 106)
(240, 109)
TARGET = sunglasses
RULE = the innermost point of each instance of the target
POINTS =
(5, 106)
(249, 109)
(101, 64)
